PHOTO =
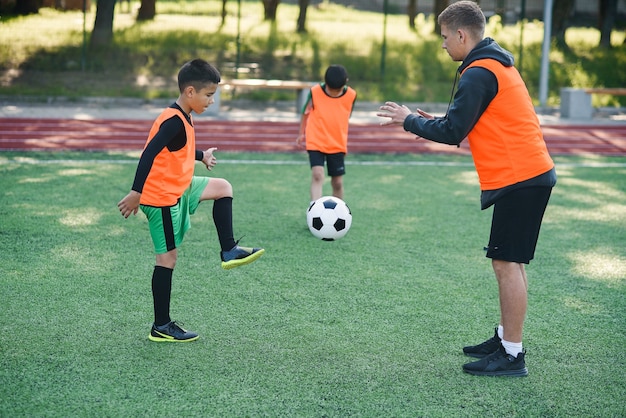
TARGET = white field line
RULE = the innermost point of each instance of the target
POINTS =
(18, 161)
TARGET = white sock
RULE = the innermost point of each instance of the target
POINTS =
(512, 348)
(500, 331)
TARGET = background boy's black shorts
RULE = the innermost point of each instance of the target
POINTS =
(516, 222)
(335, 162)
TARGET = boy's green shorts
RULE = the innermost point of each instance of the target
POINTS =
(168, 224)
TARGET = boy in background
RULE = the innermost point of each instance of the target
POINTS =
(324, 129)
(167, 192)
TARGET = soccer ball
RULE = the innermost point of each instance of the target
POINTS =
(329, 218)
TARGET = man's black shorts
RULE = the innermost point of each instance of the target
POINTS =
(516, 222)
(335, 162)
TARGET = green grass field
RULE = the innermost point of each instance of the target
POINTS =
(371, 325)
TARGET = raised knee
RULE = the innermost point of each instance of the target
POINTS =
(226, 189)
(229, 190)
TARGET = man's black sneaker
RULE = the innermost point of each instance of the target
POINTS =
(238, 256)
(171, 332)
(498, 364)
(483, 349)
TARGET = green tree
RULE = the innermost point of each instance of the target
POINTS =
(102, 33)
(270, 7)
(411, 10)
(26, 7)
(301, 24)
(223, 12)
(147, 10)
(561, 11)
(440, 5)
(607, 13)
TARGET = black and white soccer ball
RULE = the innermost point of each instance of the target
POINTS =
(329, 218)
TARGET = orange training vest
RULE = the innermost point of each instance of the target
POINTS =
(171, 172)
(327, 125)
(507, 142)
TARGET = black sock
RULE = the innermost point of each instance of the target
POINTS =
(161, 291)
(223, 219)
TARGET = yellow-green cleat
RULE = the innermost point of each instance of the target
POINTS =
(171, 333)
(240, 256)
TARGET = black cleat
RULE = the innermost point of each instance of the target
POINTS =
(498, 364)
(484, 349)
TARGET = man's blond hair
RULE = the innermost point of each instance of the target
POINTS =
(465, 15)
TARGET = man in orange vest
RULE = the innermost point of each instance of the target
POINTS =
(493, 110)
(324, 129)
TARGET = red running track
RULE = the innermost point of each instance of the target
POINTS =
(90, 135)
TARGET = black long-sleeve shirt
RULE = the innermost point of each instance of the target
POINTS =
(171, 135)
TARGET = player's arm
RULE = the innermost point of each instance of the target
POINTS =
(303, 121)
(353, 103)
(477, 88)
(167, 132)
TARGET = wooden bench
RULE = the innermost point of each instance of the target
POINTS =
(576, 102)
(301, 87)
(241, 68)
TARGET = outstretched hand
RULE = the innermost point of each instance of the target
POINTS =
(424, 114)
(395, 112)
(209, 159)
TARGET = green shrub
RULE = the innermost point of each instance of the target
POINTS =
(144, 57)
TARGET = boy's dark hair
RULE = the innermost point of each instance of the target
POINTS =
(197, 73)
(336, 76)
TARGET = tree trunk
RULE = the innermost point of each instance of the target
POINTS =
(501, 10)
(270, 7)
(440, 6)
(223, 13)
(147, 10)
(561, 12)
(411, 10)
(26, 7)
(608, 10)
(301, 26)
(102, 33)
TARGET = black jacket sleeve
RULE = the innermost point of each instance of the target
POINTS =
(477, 88)
(169, 133)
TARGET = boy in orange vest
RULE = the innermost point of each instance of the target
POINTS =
(167, 191)
(493, 110)
(324, 129)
